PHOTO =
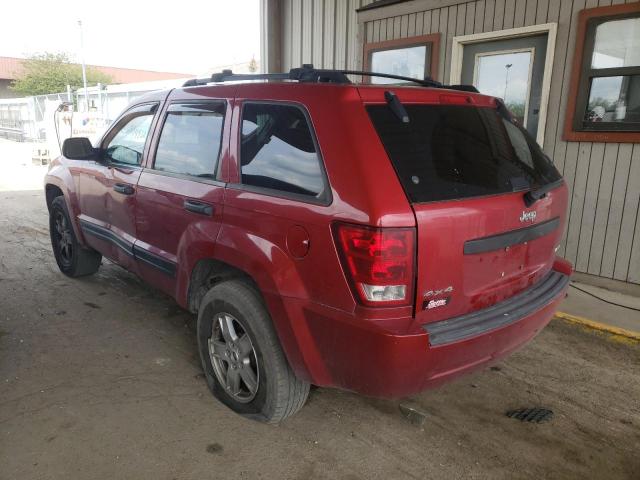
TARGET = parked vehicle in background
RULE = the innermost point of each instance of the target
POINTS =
(380, 239)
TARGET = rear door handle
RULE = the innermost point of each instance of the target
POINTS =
(124, 188)
(198, 207)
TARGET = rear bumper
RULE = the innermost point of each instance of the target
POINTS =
(499, 315)
(358, 356)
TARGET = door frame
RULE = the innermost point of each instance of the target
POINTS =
(551, 29)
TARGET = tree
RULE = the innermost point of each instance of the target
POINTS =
(516, 108)
(51, 73)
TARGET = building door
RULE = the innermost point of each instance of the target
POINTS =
(512, 69)
(514, 63)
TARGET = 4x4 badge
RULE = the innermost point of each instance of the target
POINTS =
(528, 216)
(438, 292)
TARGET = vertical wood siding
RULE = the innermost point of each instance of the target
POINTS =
(325, 33)
(603, 229)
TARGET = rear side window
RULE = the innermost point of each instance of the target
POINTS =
(190, 140)
(278, 151)
(450, 152)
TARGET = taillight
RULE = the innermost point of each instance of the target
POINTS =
(379, 262)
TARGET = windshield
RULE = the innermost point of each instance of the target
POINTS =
(450, 152)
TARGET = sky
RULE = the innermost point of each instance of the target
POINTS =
(492, 76)
(186, 37)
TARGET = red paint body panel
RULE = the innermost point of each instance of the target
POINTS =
(100, 204)
(482, 279)
(287, 247)
(181, 236)
(59, 176)
(363, 359)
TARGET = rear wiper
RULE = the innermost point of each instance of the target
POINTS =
(396, 106)
(532, 196)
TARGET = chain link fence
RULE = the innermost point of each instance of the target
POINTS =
(34, 119)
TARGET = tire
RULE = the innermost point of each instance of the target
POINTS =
(72, 259)
(255, 352)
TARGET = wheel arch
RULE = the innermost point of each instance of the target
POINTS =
(51, 192)
(60, 182)
(207, 272)
(55, 188)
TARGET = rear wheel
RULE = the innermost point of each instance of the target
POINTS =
(73, 259)
(243, 362)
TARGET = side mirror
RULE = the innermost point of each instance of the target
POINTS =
(79, 148)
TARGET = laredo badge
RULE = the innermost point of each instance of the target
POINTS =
(435, 303)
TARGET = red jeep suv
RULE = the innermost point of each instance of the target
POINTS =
(376, 238)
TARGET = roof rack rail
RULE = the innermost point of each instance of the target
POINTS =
(307, 73)
(229, 76)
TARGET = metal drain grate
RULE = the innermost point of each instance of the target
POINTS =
(532, 415)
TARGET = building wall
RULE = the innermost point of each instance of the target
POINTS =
(603, 233)
(322, 32)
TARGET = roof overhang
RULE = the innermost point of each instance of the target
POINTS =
(392, 8)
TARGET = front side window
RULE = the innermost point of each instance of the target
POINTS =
(278, 151)
(190, 140)
(125, 144)
(608, 87)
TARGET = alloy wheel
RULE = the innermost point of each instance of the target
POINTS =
(233, 358)
(63, 238)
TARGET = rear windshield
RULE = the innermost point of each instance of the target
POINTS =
(450, 152)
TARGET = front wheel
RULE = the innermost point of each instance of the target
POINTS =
(243, 361)
(72, 259)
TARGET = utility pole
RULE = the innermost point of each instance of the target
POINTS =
(84, 68)
(506, 82)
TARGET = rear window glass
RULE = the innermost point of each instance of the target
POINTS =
(450, 152)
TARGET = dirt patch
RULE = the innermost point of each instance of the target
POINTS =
(118, 392)
(214, 448)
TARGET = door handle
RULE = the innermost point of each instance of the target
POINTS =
(123, 188)
(198, 207)
(121, 169)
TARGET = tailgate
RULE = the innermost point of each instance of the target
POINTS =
(466, 168)
(480, 252)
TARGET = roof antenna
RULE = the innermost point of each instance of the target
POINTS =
(396, 106)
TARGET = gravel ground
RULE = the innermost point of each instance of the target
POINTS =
(101, 379)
